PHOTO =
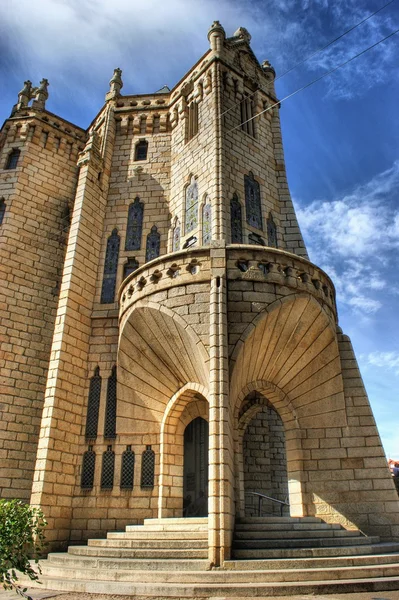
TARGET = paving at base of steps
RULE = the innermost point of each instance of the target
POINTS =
(54, 595)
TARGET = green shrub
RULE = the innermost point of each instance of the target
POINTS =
(21, 539)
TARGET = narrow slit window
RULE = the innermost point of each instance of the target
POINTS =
(110, 407)
(93, 405)
(134, 228)
(236, 220)
(192, 121)
(153, 244)
(110, 268)
(176, 236)
(271, 231)
(2, 209)
(247, 113)
(127, 469)
(206, 224)
(191, 206)
(148, 468)
(88, 469)
(107, 470)
(253, 205)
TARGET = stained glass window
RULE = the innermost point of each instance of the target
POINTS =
(93, 405)
(176, 237)
(153, 244)
(191, 206)
(2, 209)
(206, 224)
(130, 266)
(236, 220)
(134, 225)
(12, 159)
(110, 407)
(141, 150)
(271, 231)
(88, 468)
(147, 468)
(110, 268)
(108, 468)
(127, 469)
(252, 201)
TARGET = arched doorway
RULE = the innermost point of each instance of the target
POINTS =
(195, 469)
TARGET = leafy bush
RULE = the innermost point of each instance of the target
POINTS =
(21, 539)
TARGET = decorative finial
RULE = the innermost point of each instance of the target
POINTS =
(115, 85)
(268, 71)
(24, 95)
(41, 95)
(243, 34)
(216, 36)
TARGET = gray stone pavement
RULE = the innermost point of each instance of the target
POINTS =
(41, 594)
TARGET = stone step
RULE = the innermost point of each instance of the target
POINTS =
(154, 591)
(286, 526)
(139, 564)
(172, 527)
(226, 576)
(269, 520)
(384, 553)
(157, 535)
(303, 543)
(150, 544)
(177, 521)
(142, 553)
(303, 533)
(292, 553)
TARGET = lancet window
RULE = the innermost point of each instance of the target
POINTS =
(127, 469)
(93, 405)
(110, 268)
(236, 220)
(134, 225)
(252, 201)
(88, 468)
(12, 159)
(176, 236)
(206, 224)
(153, 246)
(192, 121)
(191, 206)
(110, 407)
(247, 112)
(2, 209)
(108, 468)
(271, 231)
(148, 468)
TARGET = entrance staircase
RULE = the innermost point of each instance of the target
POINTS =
(272, 556)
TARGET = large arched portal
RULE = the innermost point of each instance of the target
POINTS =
(195, 470)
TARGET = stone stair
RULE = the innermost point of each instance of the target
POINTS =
(272, 556)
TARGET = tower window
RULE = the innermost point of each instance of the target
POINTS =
(12, 159)
(110, 407)
(176, 236)
(252, 201)
(110, 268)
(148, 468)
(141, 150)
(247, 112)
(236, 220)
(206, 224)
(134, 225)
(192, 121)
(153, 244)
(93, 405)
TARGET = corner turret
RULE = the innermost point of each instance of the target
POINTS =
(216, 36)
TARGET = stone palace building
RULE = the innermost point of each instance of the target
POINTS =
(167, 348)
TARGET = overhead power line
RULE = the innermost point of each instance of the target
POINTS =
(316, 52)
(316, 80)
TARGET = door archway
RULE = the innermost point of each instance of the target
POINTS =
(195, 469)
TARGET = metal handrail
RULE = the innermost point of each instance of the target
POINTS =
(261, 496)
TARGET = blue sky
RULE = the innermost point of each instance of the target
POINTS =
(341, 135)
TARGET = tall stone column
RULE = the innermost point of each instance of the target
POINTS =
(221, 488)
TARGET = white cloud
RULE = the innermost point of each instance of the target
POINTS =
(385, 360)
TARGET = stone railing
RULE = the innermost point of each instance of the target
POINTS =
(244, 262)
(250, 263)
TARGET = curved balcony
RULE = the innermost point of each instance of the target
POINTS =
(242, 262)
